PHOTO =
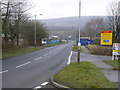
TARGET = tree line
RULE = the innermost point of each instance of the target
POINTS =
(16, 23)
(93, 27)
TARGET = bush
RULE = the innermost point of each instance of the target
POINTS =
(6, 45)
(100, 50)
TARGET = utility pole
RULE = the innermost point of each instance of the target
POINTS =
(79, 44)
(35, 32)
(35, 36)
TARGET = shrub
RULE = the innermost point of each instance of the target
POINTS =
(100, 50)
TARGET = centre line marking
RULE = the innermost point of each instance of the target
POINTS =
(3, 71)
(22, 64)
(50, 52)
(38, 58)
(45, 54)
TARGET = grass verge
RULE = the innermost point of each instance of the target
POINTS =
(18, 51)
(75, 48)
(114, 63)
(83, 75)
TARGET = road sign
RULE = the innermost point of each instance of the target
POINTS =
(116, 44)
(116, 48)
(116, 53)
(106, 37)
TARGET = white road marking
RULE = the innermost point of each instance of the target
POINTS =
(38, 87)
(22, 64)
(45, 54)
(45, 83)
(69, 59)
(3, 71)
(38, 58)
(50, 52)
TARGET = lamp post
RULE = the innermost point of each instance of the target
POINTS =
(79, 44)
(35, 36)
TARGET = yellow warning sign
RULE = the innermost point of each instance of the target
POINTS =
(106, 38)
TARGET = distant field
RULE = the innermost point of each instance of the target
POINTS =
(61, 32)
(57, 31)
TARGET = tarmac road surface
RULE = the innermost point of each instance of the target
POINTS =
(33, 69)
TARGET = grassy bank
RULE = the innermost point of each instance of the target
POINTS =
(83, 75)
(114, 63)
(75, 48)
(17, 51)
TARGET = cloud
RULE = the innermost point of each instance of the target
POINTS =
(66, 8)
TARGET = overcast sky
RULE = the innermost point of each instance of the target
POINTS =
(68, 8)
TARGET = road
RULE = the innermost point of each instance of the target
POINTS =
(35, 68)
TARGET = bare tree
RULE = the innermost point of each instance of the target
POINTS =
(93, 27)
(14, 14)
(114, 21)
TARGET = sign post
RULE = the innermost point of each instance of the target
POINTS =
(116, 50)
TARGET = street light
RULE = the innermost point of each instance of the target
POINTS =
(79, 44)
(35, 30)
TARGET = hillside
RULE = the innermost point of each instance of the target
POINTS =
(68, 23)
(65, 27)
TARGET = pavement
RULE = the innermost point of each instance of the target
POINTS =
(111, 75)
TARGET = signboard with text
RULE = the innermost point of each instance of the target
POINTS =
(116, 48)
(106, 37)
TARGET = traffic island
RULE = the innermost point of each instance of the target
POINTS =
(75, 48)
(83, 75)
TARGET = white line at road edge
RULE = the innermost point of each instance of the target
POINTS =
(22, 64)
(38, 58)
(69, 59)
(3, 71)
(45, 83)
(38, 87)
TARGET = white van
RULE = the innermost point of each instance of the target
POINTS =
(43, 42)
